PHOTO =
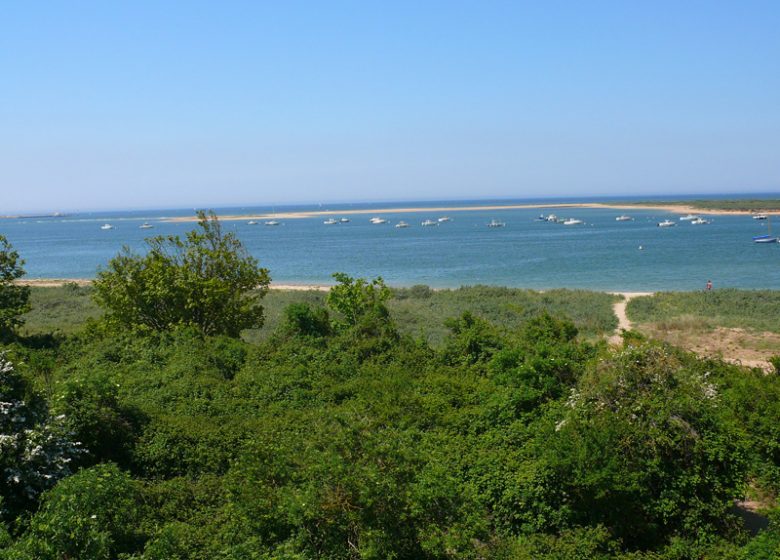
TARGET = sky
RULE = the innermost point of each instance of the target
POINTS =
(147, 104)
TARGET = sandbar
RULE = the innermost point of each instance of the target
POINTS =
(672, 208)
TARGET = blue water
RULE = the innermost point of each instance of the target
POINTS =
(601, 254)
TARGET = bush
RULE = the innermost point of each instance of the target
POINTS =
(35, 451)
(93, 514)
(14, 299)
(207, 281)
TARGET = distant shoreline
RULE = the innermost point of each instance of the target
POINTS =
(673, 208)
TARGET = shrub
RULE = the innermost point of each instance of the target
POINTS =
(14, 299)
(207, 281)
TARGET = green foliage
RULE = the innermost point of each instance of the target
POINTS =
(92, 413)
(35, 450)
(93, 514)
(357, 300)
(62, 309)
(301, 319)
(14, 299)
(339, 436)
(207, 281)
(748, 309)
(641, 448)
(473, 340)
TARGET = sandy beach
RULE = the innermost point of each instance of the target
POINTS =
(673, 208)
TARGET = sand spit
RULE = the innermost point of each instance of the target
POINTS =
(674, 208)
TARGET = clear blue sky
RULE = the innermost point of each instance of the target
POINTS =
(179, 104)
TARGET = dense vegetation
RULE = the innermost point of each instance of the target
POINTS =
(340, 435)
(747, 309)
(418, 311)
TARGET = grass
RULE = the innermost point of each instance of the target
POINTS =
(745, 205)
(418, 311)
(756, 310)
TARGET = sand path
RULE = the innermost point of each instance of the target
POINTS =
(619, 308)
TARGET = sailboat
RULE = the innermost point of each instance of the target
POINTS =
(768, 238)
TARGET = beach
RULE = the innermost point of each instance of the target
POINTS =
(673, 208)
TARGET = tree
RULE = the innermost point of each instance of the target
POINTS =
(14, 299)
(358, 299)
(207, 281)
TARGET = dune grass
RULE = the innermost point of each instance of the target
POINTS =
(757, 310)
(418, 311)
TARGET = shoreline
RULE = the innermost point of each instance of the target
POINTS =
(293, 287)
(672, 208)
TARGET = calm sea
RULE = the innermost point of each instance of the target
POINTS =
(600, 254)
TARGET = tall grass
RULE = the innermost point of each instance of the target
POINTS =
(418, 311)
(747, 309)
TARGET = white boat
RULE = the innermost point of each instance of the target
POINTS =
(401, 225)
(251, 223)
(378, 220)
(496, 224)
(624, 218)
(552, 218)
(760, 217)
(444, 219)
(145, 225)
(699, 222)
(271, 223)
(688, 218)
(666, 223)
(344, 220)
(330, 222)
(572, 222)
(428, 223)
(106, 226)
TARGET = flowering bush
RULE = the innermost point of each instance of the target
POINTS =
(35, 450)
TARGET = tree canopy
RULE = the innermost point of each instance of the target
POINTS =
(14, 299)
(207, 281)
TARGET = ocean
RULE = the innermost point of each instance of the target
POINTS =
(600, 254)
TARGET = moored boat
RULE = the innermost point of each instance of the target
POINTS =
(624, 218)
(272, 223)
(429, 223)
(330, 222)
(496, 224)
(666, 223)
(572, 222)
(402, 225)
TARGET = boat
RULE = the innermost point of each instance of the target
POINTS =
(700, 222)
(444, 219)
(330, 222)
(271, 223)
(688, 218)
(344, 220)
(402, 224)
(251, 223)
(106, 226)
(572, 222)
(624, 218)
(760, 217)
(378, 220)
(768, 238)
(666, 223)
(496, 224)
(428, 223)
(145, 225)
(552, 218)
(541, 218)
